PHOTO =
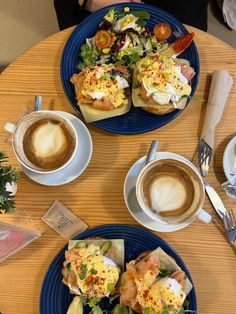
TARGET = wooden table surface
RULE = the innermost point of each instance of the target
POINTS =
(96, 196)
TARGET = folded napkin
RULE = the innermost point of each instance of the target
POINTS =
(221, 84)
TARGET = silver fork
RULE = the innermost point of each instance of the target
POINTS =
(230, 227)
(204, 157)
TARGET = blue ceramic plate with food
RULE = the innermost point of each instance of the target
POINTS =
(127, 38)
(56, 297)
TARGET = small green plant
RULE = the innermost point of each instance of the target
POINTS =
(7, 175)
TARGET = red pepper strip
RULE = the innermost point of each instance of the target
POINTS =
(182, 43)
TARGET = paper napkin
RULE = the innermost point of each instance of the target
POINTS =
(63, 221)
(221, 84)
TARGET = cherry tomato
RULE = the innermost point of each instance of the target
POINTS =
(162, 31)
(183, 42)
(103, 39)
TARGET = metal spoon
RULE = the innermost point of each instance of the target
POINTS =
(38, 103)
(152, 152)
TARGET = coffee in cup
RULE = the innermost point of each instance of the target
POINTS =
(48, 143)
(170, 190)
(44, 141)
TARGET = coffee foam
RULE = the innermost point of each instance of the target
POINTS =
(167, 193)
(49, 143)
(48, 140)
(171, 190)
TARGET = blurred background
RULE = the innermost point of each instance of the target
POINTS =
(25, 23)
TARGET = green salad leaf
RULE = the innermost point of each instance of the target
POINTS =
(121, 309)
(111, 15)
(89, 56)
(97, 310)
(143, 16)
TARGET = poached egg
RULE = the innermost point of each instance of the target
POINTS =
(162, 79)
(99, 82)
(165, 293)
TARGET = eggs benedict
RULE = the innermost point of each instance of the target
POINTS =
(92, 267)
(102, 91)
(161, 84)
(155, 282)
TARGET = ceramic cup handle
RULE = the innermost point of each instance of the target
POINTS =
(204, 216)
(9, 127)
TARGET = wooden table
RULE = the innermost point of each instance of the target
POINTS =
(96, 196)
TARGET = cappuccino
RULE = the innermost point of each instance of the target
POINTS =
(48, 143)
(170, 190)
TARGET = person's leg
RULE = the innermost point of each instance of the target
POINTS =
(191, 12)
(68, 13)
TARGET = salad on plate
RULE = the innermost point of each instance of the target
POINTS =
(124, 55)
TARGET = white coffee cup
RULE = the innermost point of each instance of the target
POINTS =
(18, 134)
(171, 191)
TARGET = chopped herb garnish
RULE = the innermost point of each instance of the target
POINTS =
(83, 273)
(164, 273)
(144, 65)
(93, 271)
(82, 276)
(110, 287)
(68, 266)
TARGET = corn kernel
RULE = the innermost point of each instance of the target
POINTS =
(131, 45)
(126, 9)
(106, 50)
(142, 29)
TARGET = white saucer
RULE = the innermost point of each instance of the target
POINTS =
(228, 158)
(79, 162)
(131, 199)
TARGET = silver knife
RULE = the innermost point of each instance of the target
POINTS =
(216, 201)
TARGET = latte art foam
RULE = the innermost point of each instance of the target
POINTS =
(49, 140)
(170, 190)
(48, 143)
(167, 193)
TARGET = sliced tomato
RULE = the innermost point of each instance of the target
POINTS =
(162, 31)
(103, 39)
(183, 42)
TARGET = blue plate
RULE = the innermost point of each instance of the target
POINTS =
(136, 120)
(55, 297)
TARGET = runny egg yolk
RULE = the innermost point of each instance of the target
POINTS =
(97, 276)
